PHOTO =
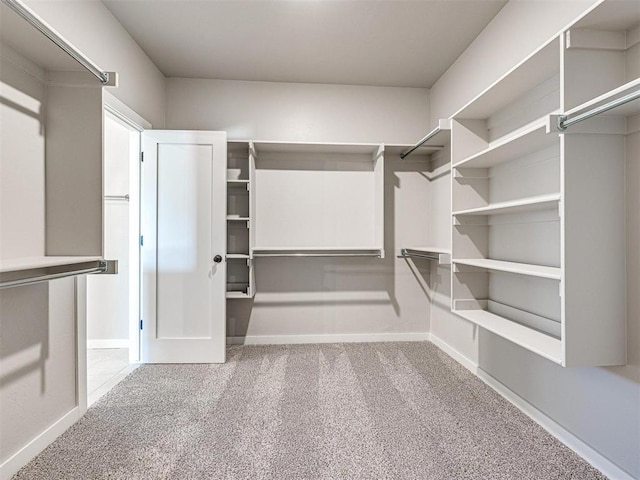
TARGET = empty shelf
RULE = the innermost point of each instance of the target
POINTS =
(237, 295)
(537, 342)
(237, 218)
(541, 202)
(237, 256)
(529, 139)
(552, 273)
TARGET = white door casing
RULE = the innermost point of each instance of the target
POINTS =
(184, 229)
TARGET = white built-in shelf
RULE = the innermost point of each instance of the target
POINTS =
(239, 295)
(237, 183)
(237, 218)
(524, 141)
(31, 263)
(442, 255)
(552, 273)
(626, 110)
(523, 205)
(533, 70)
(538, 342)
(237, 256)
(303, 147)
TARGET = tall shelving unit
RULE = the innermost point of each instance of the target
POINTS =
(240, 275)
(537, 212)
(52, 177)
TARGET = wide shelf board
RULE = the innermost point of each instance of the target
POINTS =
(542, 271)
(529, 139)
(626, 110)
(237, 295)
(30, 263)
(530, 204)
(537, 342)
(303, 147)
(533, 70)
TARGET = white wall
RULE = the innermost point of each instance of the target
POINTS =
(323, 296)
(297, 111)
(91, 27)
(601, 406)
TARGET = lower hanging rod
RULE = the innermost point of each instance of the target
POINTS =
(565, 122)
(103, 267)
(375, 255)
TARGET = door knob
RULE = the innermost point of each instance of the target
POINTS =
(217, 258)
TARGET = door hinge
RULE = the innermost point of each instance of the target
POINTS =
(142, 156)
(140, 324)
(142, 240)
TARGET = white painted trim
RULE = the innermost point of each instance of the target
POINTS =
(108, 343)
(23, 456)
(590, 455)
(331, 338)
(466, 362)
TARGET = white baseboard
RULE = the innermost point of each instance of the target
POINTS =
(593, 457)
(23, 456)
(337, 338)
(108, 343)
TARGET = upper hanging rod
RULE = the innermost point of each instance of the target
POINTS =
(564, 122)
(33, 19)
(407, 252)
(117, 197)
(423, 140)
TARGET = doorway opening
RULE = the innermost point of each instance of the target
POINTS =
(113, 301)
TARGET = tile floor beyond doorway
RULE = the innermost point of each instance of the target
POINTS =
(106, 367)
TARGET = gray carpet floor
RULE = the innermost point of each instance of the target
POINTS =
(339, 411)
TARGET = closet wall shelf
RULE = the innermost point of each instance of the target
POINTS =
(530, 72)
(533, 340)
(235, 218)
(435, 139)
(531, 204)
(533, 137)
(541, 271)
(238, 295)
(442, 256)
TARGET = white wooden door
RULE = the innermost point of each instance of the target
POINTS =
(184, 243)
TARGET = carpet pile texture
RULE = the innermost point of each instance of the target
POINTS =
(331, 411)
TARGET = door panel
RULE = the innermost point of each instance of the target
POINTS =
(184, 228)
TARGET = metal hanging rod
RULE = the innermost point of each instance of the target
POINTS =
(103, 267)
(407, 253)
(317, 254)
(423, 140)
(33, 19)
(564, 122)
(117, 197)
